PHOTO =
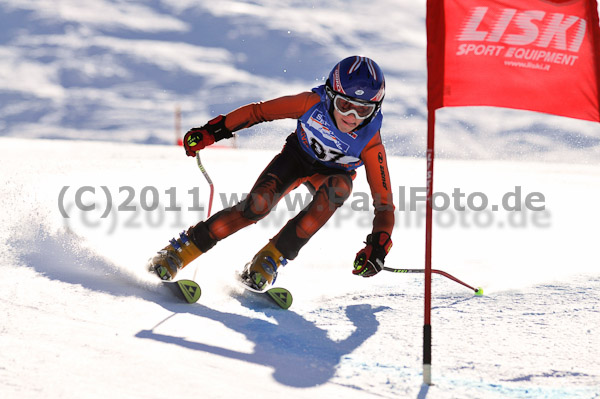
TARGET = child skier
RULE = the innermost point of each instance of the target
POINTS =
(337, 132)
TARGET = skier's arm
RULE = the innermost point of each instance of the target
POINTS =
(288, 107)
(223, 126)
(378, 177)
(369, 260)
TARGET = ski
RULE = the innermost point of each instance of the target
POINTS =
(281, 296)
(278, 295)
(186, 290)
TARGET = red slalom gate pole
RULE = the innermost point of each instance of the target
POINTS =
(428, 237)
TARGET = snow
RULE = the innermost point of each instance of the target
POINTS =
(88, 92)
(81, 317)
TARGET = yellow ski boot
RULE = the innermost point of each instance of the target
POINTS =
(261, 273)
(174, 257)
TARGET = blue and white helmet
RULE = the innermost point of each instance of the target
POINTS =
(359, 78)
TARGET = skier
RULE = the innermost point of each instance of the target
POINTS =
(337, 132)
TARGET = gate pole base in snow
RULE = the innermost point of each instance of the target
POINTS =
(427, 374)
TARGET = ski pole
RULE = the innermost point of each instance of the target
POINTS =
(210, 198)
(210, 183)
(478, 291)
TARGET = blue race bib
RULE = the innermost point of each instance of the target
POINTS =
(321, 139)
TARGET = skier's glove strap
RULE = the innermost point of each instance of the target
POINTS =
(199, 137)
(369, 260)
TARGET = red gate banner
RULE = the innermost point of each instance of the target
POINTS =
(537, 55)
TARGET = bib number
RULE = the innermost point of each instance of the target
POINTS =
(325, 153)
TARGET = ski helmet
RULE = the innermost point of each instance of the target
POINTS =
(359, 78)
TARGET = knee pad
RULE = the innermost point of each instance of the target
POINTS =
(339, 188)
(256, 206)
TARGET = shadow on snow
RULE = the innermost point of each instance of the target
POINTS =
(300, 353)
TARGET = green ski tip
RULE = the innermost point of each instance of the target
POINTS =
(190, 290)
(479, 291)
(281, 296)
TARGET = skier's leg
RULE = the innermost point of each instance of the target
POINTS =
(332, 194)
(278, 178)
(262, 271)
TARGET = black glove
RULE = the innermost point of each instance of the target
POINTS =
(369, 260)
(199, 137)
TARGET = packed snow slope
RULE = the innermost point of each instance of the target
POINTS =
(82, 318)
(117, 71)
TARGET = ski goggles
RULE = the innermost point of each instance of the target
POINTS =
(346, 106)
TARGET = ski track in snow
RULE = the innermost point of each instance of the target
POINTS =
(82, 318)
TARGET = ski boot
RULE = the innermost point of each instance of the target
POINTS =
(261, 273)
(175, 256)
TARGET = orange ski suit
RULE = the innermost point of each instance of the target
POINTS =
(290, 168)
